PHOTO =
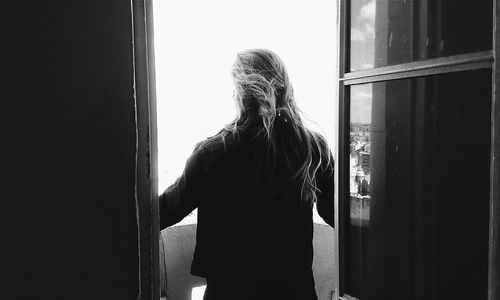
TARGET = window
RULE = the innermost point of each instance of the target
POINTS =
(389, 32)
(419, 167)
(415, 149)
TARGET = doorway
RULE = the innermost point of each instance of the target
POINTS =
(195, 45)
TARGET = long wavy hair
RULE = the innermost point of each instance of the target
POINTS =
(265, 100)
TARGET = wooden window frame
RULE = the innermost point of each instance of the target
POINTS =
(494, 251)
(147, 149)
(442, 65)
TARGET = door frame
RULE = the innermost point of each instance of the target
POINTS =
(494, 253)
(147, 153)
(147, 149)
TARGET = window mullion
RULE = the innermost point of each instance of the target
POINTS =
(457, 63)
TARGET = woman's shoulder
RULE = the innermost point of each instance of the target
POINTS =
(211, 144)
(324, 152)
(321, 140)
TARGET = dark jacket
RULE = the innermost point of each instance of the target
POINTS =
(245, 230)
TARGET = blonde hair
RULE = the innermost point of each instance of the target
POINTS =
(264, 94)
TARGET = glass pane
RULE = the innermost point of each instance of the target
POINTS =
(419, 188)
(388, 32)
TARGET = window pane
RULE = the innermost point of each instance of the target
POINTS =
(419, 171)
(388, 32)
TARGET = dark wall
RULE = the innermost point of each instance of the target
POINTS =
(68, 151)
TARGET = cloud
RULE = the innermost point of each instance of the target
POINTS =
(363, 95)
(361, 112)
(361, 104)
(363, 28)
(366, 33)
(357, 35)
(367, 66)
(369, 30)
(367, 12)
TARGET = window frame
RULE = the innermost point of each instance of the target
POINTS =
(147, 150)
(437, 66)
(494, 255)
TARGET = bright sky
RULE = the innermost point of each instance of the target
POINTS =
(196, 42)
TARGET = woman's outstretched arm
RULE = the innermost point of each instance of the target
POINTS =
(182, 197)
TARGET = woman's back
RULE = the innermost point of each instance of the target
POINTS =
(254, 185)
(244, 226)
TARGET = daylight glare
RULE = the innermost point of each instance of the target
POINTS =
(195, 45)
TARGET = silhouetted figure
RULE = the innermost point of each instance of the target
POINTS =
(254, 184)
